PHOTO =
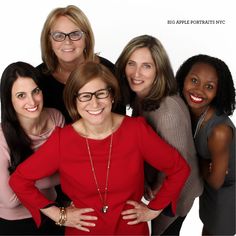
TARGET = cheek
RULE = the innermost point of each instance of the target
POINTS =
(127, 71)
(39, 98)
(17, 105)
(55, 46)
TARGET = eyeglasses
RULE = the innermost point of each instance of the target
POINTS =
(60, 36)
(99, 94)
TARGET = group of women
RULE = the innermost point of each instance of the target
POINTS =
(65, 123)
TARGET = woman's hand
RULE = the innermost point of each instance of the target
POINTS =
(140, 213)
(77, 218)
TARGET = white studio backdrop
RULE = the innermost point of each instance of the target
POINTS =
(185, 28)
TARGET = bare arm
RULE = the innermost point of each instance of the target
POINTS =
(219, 146)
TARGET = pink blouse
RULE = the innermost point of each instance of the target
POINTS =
(10, 206)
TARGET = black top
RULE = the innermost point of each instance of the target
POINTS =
(53, 90)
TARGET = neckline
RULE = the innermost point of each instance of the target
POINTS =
(200, 122)
(101, 140)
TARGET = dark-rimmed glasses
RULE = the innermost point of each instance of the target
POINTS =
(60, 36)
(99, 94)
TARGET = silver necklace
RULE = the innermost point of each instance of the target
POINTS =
(103, 199)
(200, 121)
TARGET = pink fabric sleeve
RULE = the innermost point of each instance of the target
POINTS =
(7, 197)
(42, 163)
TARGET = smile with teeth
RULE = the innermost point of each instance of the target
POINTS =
(135, 81)
(32, 109)
(67, 50)
(195, 99)
(95, 112)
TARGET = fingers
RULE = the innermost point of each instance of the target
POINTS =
(83, 225)
(133, 218)
(80, 218)
(133, 203)
(131, 214)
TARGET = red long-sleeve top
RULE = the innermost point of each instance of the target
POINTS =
(133, 143)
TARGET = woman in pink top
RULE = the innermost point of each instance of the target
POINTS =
(25, 125)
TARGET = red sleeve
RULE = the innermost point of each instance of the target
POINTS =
(44, 162)
(167, 159)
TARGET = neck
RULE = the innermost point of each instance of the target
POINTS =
(197, 113)
(33, 126)
(68, 67)
(63, 70)
(98, 131)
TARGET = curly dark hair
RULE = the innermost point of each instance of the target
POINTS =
(224, 102)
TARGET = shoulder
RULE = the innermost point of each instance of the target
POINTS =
(3, 144)
(56, 116)
(42, 68)
(222, 132)
(135, 123)
(174, 104)
(172, 109)
(107, 63)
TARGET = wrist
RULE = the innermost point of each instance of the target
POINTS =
(62, 216)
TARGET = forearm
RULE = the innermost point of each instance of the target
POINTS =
(48, 182)
(53, 212)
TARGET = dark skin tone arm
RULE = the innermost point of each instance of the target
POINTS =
(219, 146)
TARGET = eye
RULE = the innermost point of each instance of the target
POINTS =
(194, 80)
(147, 66)
(76, 35)
(58, 36)
(36, 91)
(209, 86)
(130, 63)
(101, 93)
(84, 96)
(21, 95)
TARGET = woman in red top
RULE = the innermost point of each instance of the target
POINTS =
(100, 159)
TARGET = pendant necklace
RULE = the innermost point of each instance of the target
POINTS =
(103, 198)
(200, 122)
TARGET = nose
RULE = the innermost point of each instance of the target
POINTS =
(67, 40)
(31, 100)
(94, 101)
(137, 71)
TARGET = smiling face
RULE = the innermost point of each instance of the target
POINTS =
(95, 111)
(141, 71)
(67, 51)
(27, 98)
(200, 87)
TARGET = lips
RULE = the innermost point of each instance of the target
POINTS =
(195, 99)
(68, 50)
(32, 109)
(136, 82)
(95, 112)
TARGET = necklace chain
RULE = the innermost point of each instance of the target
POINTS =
(103, 199)
(200, 122)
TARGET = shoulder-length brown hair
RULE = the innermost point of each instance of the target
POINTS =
(77, 16)
(164, 83)
(81, 76)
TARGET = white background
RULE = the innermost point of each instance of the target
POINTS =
(115, 22)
